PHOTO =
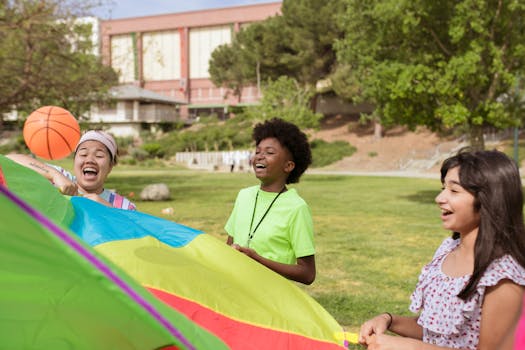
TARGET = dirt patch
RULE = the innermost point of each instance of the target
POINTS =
(398, 150)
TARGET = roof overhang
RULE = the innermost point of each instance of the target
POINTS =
(135, 93)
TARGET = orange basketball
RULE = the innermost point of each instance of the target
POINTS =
(51, 132)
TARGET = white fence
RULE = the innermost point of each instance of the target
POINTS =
(219, 161)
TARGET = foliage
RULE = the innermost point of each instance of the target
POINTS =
(262, 45)
(510, 148)
(123, 143)
(139, 154)
(46, 57)
(222, 71)
(297, 44)
(14, 145)
(166, 126)
(283, 98)
(325, 153)
(311, 30)
(234, 133)
(286, 99)
(447, 63)
(153, 149)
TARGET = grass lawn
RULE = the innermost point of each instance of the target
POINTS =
(373, 234)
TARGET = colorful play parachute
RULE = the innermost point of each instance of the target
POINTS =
(57, 293)
(238, 300)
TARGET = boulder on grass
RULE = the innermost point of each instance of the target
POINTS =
(155, 192)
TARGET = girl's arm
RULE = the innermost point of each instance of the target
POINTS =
(60, 181)
(508, 341)
(390, 342)
(501, 308)
(401, 325)
(406, 327)
(373, 336)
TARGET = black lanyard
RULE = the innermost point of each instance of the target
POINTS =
(250, 233)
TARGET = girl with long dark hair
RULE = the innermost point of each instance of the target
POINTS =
(470, 294)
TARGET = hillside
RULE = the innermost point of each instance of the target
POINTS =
(398, 150)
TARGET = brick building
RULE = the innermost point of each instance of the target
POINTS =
(168, 55)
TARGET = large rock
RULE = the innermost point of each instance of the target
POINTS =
(155, 192)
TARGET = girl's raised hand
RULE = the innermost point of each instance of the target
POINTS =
(374, 326)
(389, 342)
(64, 185)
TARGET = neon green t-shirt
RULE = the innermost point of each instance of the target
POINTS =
(285, 234)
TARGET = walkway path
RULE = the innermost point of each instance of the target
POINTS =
(394, 173)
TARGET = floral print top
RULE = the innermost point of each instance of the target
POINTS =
(446, 319)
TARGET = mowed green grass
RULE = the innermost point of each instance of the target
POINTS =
(373, 234)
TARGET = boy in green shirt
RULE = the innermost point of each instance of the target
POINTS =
(269, 222)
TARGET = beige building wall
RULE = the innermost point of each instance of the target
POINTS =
(202, 43)
(122, 57)
(161, 55)
(169, 54)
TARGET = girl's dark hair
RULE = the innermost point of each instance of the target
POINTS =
(494, 181)
(290, 137)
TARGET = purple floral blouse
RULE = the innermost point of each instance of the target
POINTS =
(446, 319)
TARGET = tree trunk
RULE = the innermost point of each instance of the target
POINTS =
(477, 143)
(258, 72)
(378, 129)
(238, 92)
(313, 103)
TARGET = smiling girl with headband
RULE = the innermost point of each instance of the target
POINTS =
(95, 156)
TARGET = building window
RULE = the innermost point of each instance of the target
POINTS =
(161, 55)
(202, 43)
(123, 57)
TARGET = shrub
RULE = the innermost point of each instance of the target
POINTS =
(153, 149)
(139, 154)
(235, 133)
(129, 160)
(16, 145)
(325, 153)
(123, 144)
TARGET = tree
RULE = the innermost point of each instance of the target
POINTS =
(252, 57)
(441, 64)
(311, 29)
(285, 98)
(222, 58)
(262, 46)
(297, 44)
(46, 57)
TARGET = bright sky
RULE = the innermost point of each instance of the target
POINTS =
(137, 8)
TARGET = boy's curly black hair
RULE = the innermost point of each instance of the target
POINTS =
(292, 138)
